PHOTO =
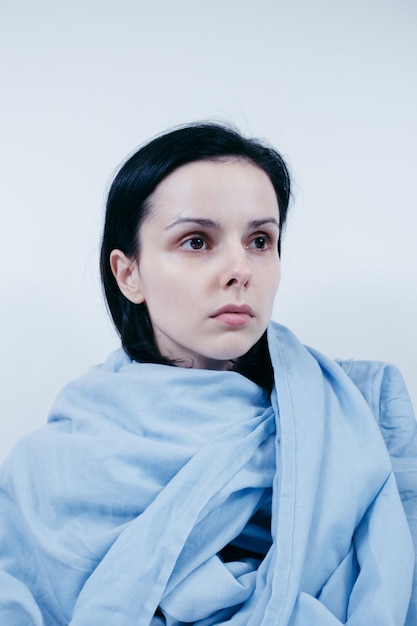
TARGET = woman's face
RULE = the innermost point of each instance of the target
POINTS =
(208, 266)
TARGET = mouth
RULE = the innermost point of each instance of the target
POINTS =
(234, 315)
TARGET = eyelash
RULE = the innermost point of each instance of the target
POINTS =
(195, 238)
(266, 238)
(187, 243)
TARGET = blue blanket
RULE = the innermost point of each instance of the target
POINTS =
(118, 511)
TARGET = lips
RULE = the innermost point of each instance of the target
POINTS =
(243, 309)
(237, 315)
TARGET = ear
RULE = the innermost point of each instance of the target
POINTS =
(126, 272)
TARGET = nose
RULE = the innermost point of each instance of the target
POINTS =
(236, 270)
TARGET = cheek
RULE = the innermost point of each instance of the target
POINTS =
(278, 277)
(272, 278)
(271, 289)
(168, 289)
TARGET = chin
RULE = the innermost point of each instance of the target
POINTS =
(234, 353)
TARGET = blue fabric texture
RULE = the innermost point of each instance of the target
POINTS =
(117, 512)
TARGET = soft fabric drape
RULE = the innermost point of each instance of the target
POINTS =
(116, 513)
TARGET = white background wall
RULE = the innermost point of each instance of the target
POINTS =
(330, 83)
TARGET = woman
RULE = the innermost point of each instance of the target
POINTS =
(213, 470)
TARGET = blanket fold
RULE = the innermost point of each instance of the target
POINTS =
(118, 511)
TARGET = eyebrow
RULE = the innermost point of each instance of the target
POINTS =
(205, 223)
(259, 223)
(215, 225)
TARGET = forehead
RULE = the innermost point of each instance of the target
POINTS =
(218, 186)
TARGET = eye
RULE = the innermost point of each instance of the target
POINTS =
(260, 242)
(194, 243)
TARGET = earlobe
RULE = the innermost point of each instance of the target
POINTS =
(126, 272)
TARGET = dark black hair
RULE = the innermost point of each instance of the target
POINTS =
(127, 207)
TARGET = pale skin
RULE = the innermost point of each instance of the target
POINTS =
(208, 267)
